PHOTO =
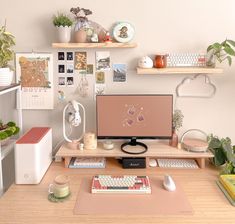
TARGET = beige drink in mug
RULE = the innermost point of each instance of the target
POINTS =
(60, 186)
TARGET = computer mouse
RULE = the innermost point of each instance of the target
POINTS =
(168, 183)
(152, 162)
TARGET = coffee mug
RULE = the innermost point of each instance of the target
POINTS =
(60, 187)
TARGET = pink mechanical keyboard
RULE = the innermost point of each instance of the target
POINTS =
(121, 184)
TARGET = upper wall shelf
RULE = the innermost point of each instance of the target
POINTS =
(179, 70)
(94, 45)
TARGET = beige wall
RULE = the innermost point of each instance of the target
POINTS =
(169, 26)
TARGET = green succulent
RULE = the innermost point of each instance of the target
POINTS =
(8, 130)
(3, 135)
(62, 20)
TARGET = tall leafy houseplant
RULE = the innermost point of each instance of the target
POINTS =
(63, 24)
(223, 51)
(7, 41)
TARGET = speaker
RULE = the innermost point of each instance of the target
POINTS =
(133, 163)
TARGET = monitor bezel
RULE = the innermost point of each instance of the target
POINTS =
(134, 137)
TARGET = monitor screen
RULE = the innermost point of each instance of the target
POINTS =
(139, 116)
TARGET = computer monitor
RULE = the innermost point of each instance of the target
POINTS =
(134, 117)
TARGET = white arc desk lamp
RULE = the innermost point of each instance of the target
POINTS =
(74, 119)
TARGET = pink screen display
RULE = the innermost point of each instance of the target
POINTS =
(134, 115)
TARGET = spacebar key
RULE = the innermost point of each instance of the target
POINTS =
(117, 188)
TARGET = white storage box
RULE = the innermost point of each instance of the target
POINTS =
(33, 155)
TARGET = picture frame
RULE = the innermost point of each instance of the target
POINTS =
(123, 32)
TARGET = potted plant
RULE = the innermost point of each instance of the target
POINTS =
(177, 123)
(224, 153)
(63, 24)
(7, 130)
(220, 52)
(7, 41)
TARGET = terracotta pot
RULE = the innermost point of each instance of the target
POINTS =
(80, 36)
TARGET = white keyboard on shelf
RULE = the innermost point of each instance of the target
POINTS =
(177, 163)
(121, 184)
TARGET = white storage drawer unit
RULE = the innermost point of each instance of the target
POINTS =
(33, 155)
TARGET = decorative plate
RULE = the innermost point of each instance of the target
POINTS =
(123, 32)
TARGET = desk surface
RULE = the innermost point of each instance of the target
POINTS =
(28, 203)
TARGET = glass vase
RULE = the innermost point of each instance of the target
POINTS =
(174, 140)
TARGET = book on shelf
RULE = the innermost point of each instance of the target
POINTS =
(87, 162)
(228, 182)
(227, 195)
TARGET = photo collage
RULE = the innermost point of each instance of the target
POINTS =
(73, 66)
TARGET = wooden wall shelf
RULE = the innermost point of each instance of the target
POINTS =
(179, 70)
(94, 45)
(155, 150)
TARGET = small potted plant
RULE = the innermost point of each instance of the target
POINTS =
(220, 52)
(7, 41)
(63, 24)
(177, 124)
(224, 153)
(7, 130)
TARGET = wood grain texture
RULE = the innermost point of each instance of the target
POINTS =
(94, 45)
(27, 204)
(155, 150)
(178, 70)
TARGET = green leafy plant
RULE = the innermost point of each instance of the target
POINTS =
(224, 153)
(62, 20)
(7, 41)
(8, 130)
(221, 51)
(177, 119)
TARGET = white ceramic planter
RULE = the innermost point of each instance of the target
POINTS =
(64, 34)
(6, 76)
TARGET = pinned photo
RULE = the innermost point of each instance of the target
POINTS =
(69, 56)
(70, 68)
(100, 89)
(70, 81)
(60, 56)
(61, 81)
(119, 72)
(100, 77)
(61, 68)
(89, 69)
(80, 61)
(102, 60)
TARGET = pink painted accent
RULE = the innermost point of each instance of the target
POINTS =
(33, 136)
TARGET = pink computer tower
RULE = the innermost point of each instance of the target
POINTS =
(33, 155)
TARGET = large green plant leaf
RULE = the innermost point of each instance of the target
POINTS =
(229, 50)
(219, 157)
(231, 42)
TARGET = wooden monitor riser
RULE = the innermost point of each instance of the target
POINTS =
(156, 149)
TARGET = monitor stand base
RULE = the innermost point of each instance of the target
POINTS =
(133, 142)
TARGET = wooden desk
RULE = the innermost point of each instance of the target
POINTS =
(28, 204)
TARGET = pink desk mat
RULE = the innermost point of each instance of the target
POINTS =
(160, 202)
